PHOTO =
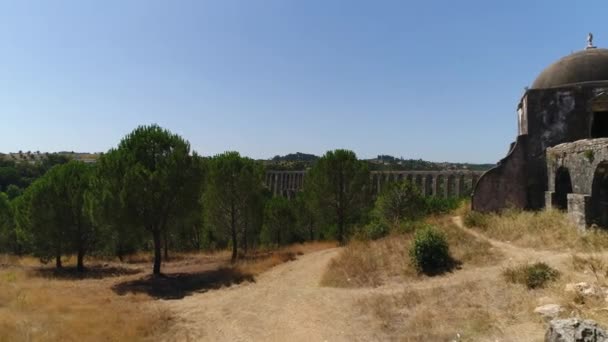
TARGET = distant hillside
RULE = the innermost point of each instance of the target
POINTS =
(292, 161)
(37, 156)
(303, 161)
(296, 157)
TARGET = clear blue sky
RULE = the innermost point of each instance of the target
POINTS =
(438, 80)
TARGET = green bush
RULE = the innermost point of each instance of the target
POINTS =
(476, 219)
(533, 276)
(430, 251)
(438, 205)
(373, 231)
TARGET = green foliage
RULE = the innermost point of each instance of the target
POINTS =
(533, 276)
(57, 218)
(305, 217)
(6, 222)
(149, 181)
(429, 252)
(438, 205)
(338, 187)
(13, 191)
(292, 161)
(389, 163)
(374, 230)
(399, 207)
(476, 219)
(234, 197)
(399, 201)
(279, 223)
(22, 174)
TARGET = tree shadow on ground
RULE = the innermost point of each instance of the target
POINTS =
(451, 266)
(179, 285)
(91, 272)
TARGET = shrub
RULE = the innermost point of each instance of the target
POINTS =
(438, 205)
(533, 276)
(476, 219)
(372, 231)
(398, 202)
(430, 251)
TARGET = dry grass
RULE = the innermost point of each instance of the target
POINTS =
(370, 263)
(471, 311)
(479, 303)
(374, 263)
(38, 304)
(259, 261)
(547, 229)
(464, 247)
(592, 269)
(536, 275)
(35, 309)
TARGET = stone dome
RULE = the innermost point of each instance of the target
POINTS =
(588, 65)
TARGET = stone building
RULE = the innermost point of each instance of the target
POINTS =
(560, 156)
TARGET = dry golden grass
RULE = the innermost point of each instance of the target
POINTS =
(37, 305)
(592, 269)
(478, 303)
(475, 311)
(259, 261)
(373, 263)
(547, 229)
(37, 309)
(370, 263)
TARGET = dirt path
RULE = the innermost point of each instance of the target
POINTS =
(512, 252)
(285, 304)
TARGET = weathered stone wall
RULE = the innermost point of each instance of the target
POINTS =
(546, 118)
(504, 186)
(580, 159)
(555, 116)
(452, 183)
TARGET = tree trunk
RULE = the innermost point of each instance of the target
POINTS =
(234, 235)
(157, 251)
(119, 252)
(340, 229)
(244, 243)
(166, 249)
(58, 260)
(80, 262)
(312, 234)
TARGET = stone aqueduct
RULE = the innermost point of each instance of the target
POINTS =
(452, 183)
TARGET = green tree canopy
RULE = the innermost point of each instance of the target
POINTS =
(57, 217)
(234, 188)
(6, 222)
(399, 201)
(339, 190)
(279, 222)
(151, 179)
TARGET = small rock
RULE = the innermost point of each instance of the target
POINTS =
(575, 329)
(545, 300)
(576, 287)
(586, 289)
(549, 310)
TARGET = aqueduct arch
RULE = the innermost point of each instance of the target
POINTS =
(599, 195)
(563, 186)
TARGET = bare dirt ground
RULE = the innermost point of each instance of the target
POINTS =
(284, 304)
(288, 304)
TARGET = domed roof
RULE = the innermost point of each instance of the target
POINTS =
(584, 66)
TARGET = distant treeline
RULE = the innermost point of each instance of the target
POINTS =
(152, 193)
(303, 161)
